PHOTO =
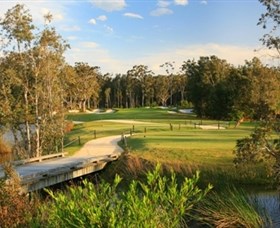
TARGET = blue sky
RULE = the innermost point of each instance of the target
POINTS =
(118, 34)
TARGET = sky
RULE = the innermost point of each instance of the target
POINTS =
(118, 34)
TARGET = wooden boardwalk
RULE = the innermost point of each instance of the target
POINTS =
(92, 157)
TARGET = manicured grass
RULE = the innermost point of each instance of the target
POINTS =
(173, 139)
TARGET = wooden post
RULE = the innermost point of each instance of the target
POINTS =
(95, 134)
(122, 137)
(79, 140)
(145, 130)
(125, 142)
(133, 129)
(171, 127)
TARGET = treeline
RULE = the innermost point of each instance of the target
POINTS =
(213, 87)
(38, 86)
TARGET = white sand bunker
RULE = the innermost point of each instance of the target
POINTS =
(172, 112)
(186, 111)
(100, 111)
(127, 121)
(211, 127)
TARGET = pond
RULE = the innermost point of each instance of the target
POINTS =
(270, 202)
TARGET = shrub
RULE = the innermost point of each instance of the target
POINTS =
(68, 126)
(157, 202)
(15, 207)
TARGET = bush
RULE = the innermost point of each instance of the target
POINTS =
(15, 207)
(157, 202)
(68, 126)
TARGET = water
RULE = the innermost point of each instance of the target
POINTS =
(269, 201)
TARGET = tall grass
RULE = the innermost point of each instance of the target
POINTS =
(230, 208)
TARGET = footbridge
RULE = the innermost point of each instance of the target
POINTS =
(38, 173)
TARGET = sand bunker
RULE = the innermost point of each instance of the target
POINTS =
(211, 127)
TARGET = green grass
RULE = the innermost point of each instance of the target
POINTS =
(208, 150)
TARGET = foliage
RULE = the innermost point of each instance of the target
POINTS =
(31, 86)
(157, 202)
(263, 145)
(271, 20)
(229, 208)
(15, 207)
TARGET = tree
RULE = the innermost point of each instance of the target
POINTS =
(203, 77)
(271, 20)
(33, 91)
(86, 83)
(261, 145)
(162, 89)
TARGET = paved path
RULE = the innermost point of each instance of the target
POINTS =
(91, 151)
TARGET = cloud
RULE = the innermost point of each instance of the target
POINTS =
(181, 2)
(161, 11)
(102, 18)
(109, 29)
(163, 4)
(109, 6)
(73, 28)
(204, 2)
(238, 55)
(71, 38)
(92, 21)
(88, 44)
(97, 57)
(133, 15)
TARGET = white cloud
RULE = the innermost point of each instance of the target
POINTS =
(133, 15)
(181, 2)
(71, 38)
(89, 44)
(102, 18)
(163, 4)
(109, 6)
(73, 28)
(109, 29)
(101, 57)
(92, 21)
(161, 11)
(204, 2)
(238, 55)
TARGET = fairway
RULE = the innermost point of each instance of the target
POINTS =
(162, 136)
(175, 140)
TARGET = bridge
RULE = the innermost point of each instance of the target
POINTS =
(45, 171)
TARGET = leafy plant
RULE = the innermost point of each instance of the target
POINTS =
(156, 202)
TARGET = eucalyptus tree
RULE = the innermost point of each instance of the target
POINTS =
(32, 64)
(169, 69)
(87, 84)
(142, 75)
(162, 89)
(117, 90)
